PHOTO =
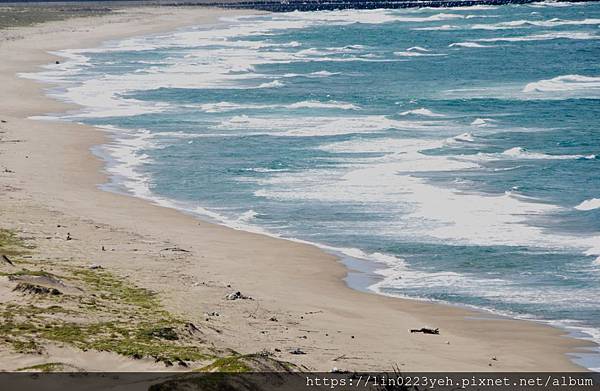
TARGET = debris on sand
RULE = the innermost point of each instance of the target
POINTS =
(236, 296)
(176, 249)
(426, 330)
(36, 289)
(7, 260)
(297, 351)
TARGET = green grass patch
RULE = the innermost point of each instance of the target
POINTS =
(234, 363)
(46, 367)
(10, 244)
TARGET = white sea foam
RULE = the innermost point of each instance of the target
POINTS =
(468, 45)
(321, 126)
(590, 204)
(413, 53)
(482, 122)
(464, 137)
(522, 153)
(423, 112)
(248, 215)
(419, 209)
(323, 105)
(221, 107)
(535, 23)
(272, 84)
(444, 27)
(564, 83)
(575, 35)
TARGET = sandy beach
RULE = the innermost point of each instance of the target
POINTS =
(49, 192)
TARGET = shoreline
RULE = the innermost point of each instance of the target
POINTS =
(59, 173)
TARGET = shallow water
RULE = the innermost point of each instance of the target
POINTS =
(455, 148)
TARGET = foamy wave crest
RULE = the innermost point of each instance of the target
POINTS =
(564, 83)
(321, 126)
(422, 210)
(415, 53)
(323, 105)
(590, 204)
(482, 122)
(272, 84)
(222, 107)
(464, 137)
(423, 112)
(444, 27)
(575, 35)
(468, 45)
(378, 16)
(539, 23)
(522, 153)
(248, 216)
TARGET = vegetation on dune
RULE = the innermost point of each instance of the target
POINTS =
(46, 367)
(109, 314)
(98, 310)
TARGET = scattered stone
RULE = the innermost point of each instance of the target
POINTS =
(7, 260)
(3, 121)
(95, 266)
(103, 249)
(426, 330)
(494, 358)
(36, 289)
(277, 350)
(237, 295)
(273, 319)
(447, 342)
(69, 236)
(352, 336)
(57, 62)
(214, 313)
(297, 351)
(177, 249)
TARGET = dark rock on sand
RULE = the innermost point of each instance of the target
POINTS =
(237, 295)
(36, 289)
(426, 330)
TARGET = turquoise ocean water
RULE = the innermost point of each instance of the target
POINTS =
(452, 154)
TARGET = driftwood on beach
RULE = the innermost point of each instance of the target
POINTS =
(426, 330)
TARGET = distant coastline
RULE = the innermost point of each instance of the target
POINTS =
(284, 5)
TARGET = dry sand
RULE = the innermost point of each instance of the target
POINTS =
(53, 179)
